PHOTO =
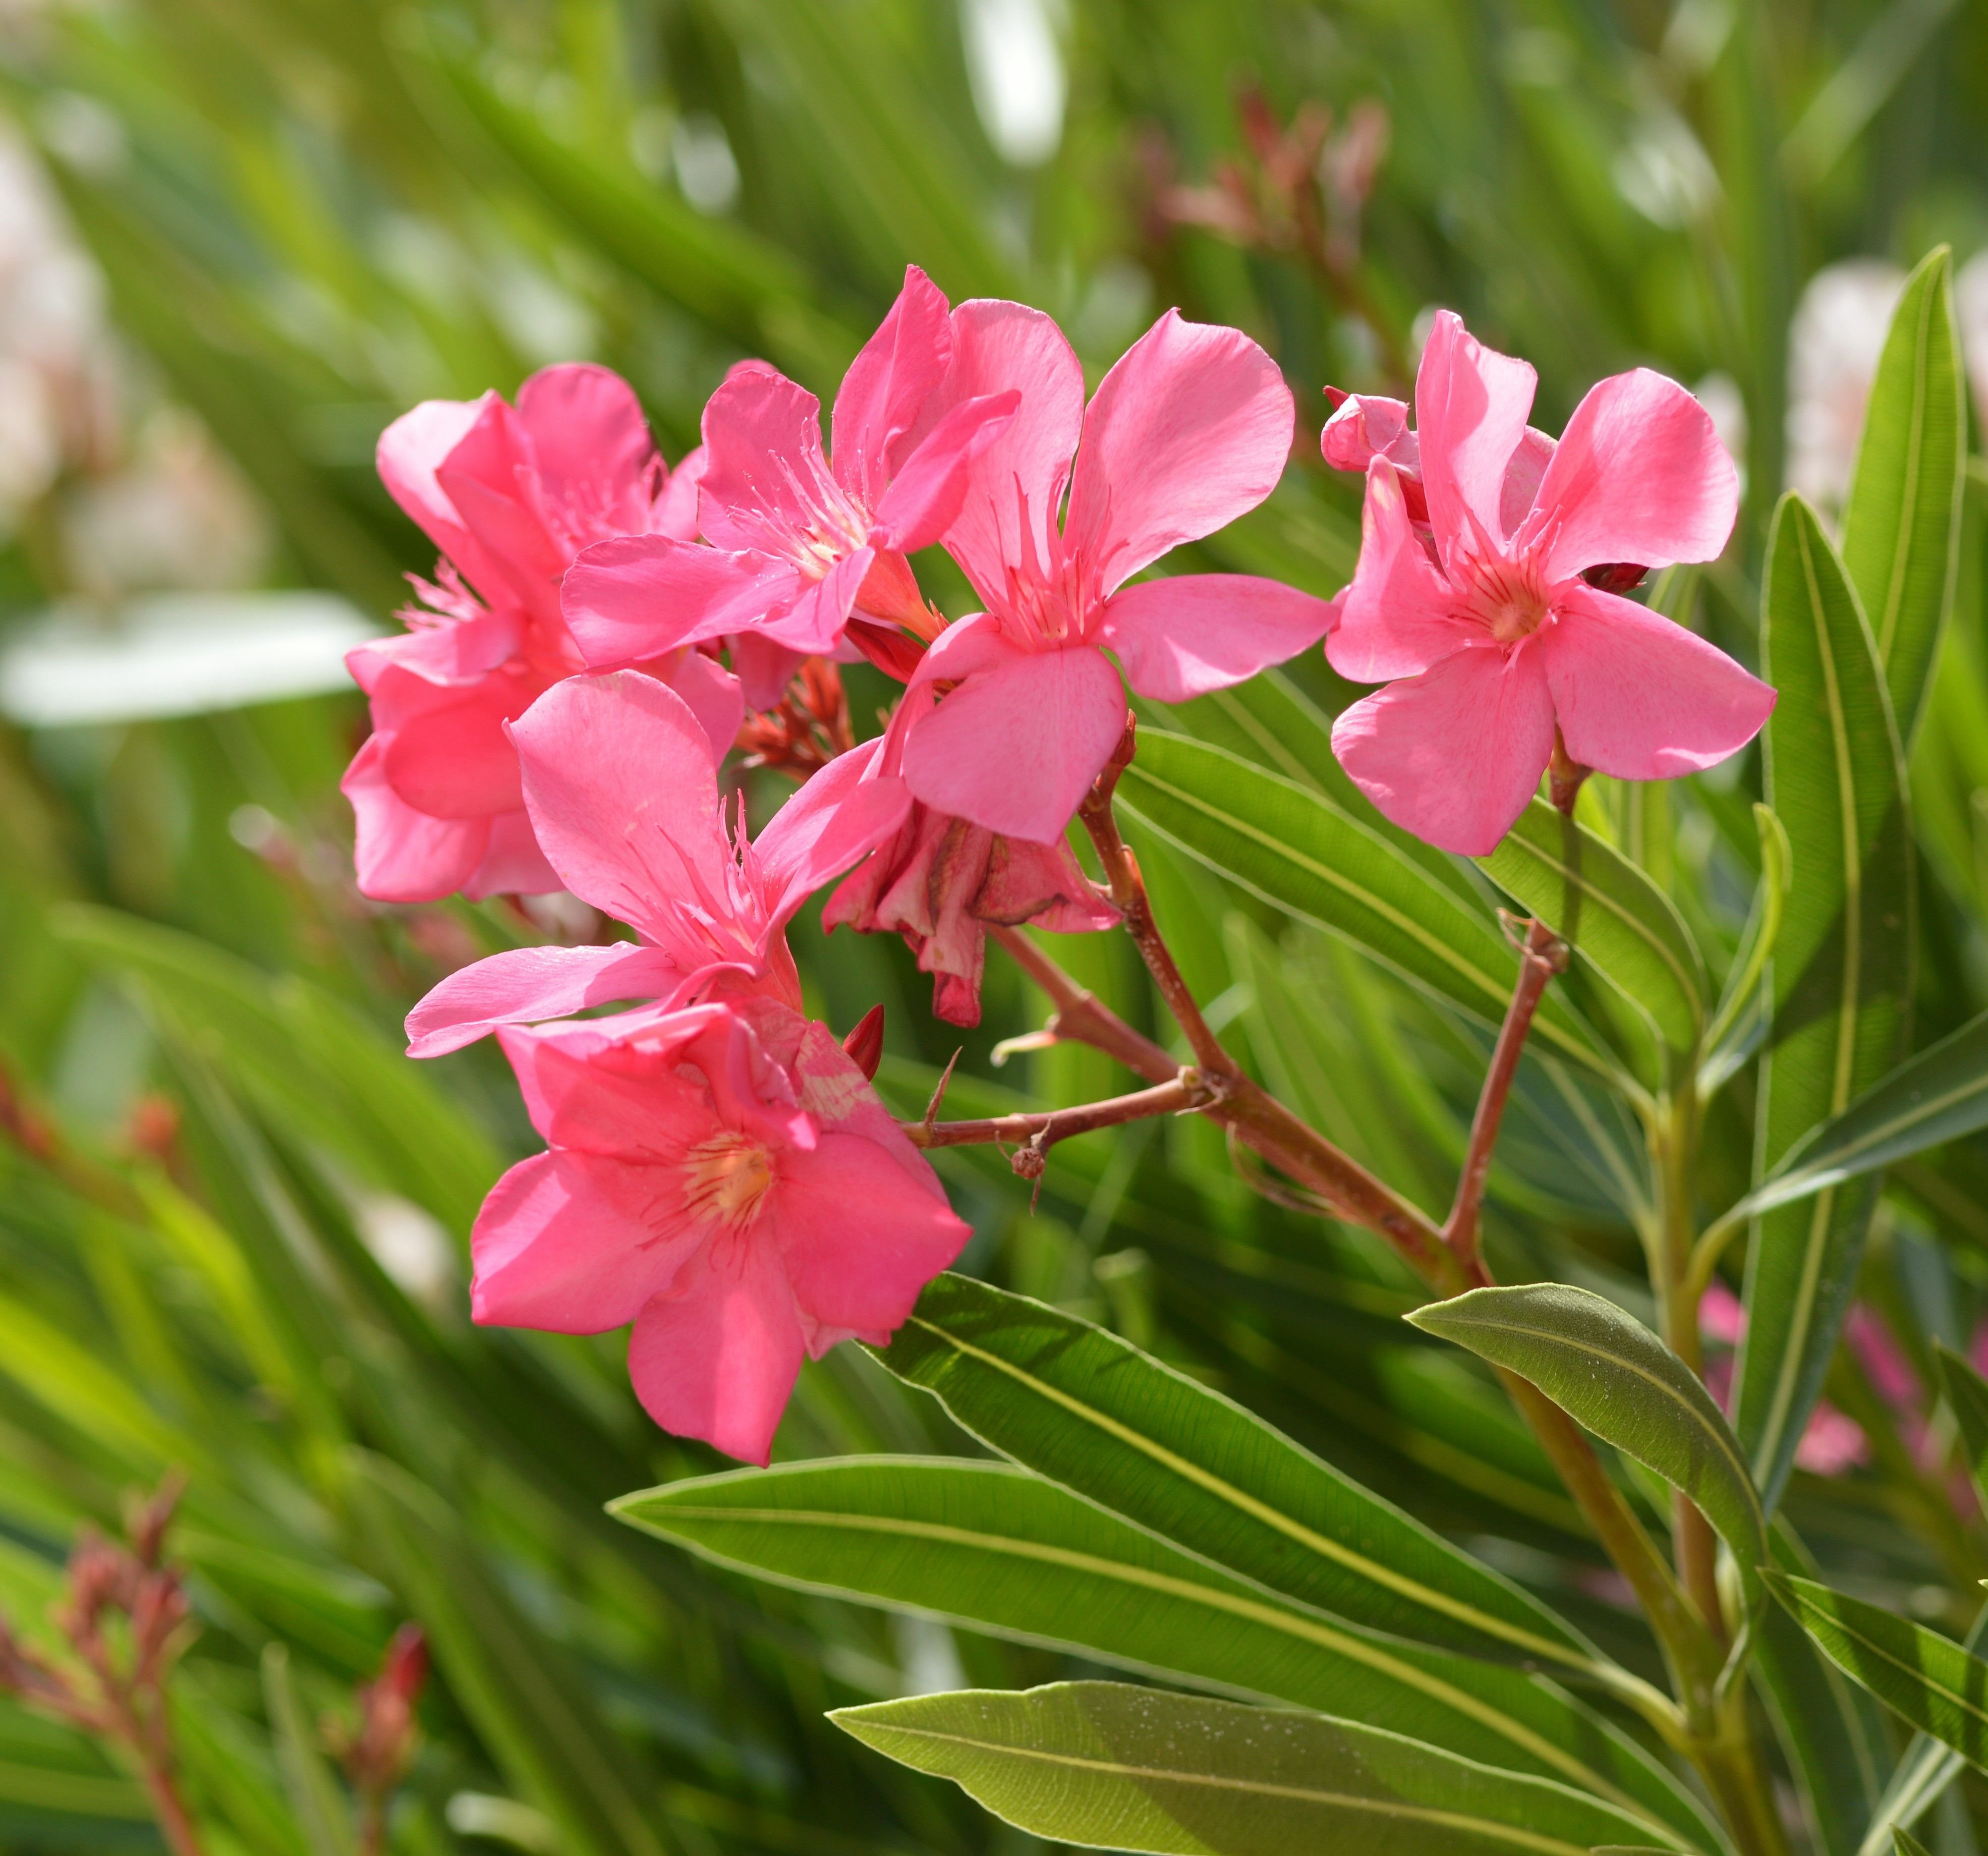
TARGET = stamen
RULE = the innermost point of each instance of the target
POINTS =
(726, 1179)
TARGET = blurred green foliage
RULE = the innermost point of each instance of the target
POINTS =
(232, 1218)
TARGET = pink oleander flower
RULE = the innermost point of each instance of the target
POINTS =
(799, 549)
(1189, 430)
(510, 494)
(1483, 616)
(939, 881)
(1832, 1443)
(724, 1178)
(616, 778)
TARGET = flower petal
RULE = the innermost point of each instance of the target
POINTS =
(562, 1245)
(1639, 475)
(597, 466)
(1015, 486)
(842, 812)
(1638, 696)
(925, 497)
(451, 758)
(627, 601)
(886, 388)
(618, 780)
(1471, 403)
(1190, 428)
(718, 1356)
(1399, 617)
(610, 1086)
(1365, 426)
(712, 694)
(1182, 638)
(766, 482)
(490, 477)
(522, 985)
(409, 452)
(402, 855)
(859, 1234)
(1454, 754)
(1015, 747)
(512, 864)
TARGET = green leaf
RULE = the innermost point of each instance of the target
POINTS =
(1090, 1411)
(1841, 974)
(997, 1549)
(1929, 1679)
(320, 1805)
(1937, 1096)
(1906, 1843)
(1294, 847)
(1107, 1766)
(1610, 913)
(1967, 1393)
(517, 1686)
(1609, 1372)
(1902, 522)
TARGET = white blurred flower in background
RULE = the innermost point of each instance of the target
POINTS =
(1833, 343)
(1016, 71)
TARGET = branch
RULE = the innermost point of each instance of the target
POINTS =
(1542, 954)
(1036, 1134)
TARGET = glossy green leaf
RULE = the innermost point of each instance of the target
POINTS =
(1902, 522)
(1938, 1096)
(1293, 846)
(1610, 913)
(1966, 1394)
(1086, 1409)
(517, 1686)
(1924, 1771)
(1102, 1764)
(984, 1545)
(1841, 973)
(1609, 1372)
(1940, 1687)
(320, 1807)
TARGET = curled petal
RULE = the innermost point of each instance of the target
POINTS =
(402, 855)
(491, 479)
(524, 986)
(884, 391)
(843, 812)
(1190, 428)
(1182, 638)
(1639, 697)
(1471, 403)
(1365, 426)
(1639, 475)
(1016, 746)
(630, 600)
(1453, 755)
(409, 453)
(925, 498)
(1399, 617)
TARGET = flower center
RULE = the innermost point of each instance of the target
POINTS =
(725, 1180)
(1504, 600)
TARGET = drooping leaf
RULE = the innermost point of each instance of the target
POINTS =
(1930, 1680)
(1085, 1408)
(1610, 913)
(1609, 1372)
(1136, 1769)
(1291, 845)
(516, 1685)
(1841, 976)
(1902, 522)
(1936, 1096)
(984, 1545)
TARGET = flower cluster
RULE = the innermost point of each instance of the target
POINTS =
(719, 1171)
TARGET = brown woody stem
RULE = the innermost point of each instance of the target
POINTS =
(1189, 1091)
(1542, 954)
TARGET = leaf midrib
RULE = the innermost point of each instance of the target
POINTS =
(1519, 1838)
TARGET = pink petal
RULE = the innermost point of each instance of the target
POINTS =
(1015, 487)
(627, 601)
(407, 455)
(1182, 638)
(766, 482)
(512, 864)
(610, 1087)
(452, 758)
(1639, 475)
(886, 388)
(675, 513)
(461, 650)
(402, 855)
(491, 478)
(1399, 617)
(712, 694)
(1520, 490)
(1366, 426)
(591, 444)
(1638, 695)
(925, 498)
(717, 1358)
(1453, 755)
(843, 812)
(859, 1234)
(765, 668)
(561, 1245)
(1017, 747)
(1471, 403)
(814, 621)
(618, 780)
(524, 985)
(1190, 429)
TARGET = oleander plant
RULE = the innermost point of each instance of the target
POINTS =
(1128, 1010)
